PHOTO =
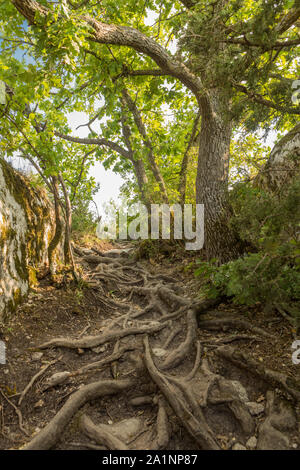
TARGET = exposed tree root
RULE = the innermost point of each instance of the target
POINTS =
(276, 379)
(196, 426)
(176, 356)
(232, 323)
(18, 413)
(48, 437)
(204, 401)
(100, 435)
(139, 401)
(162, 426)
(93, 341)
(34, 379)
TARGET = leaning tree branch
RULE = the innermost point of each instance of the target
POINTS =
(288, 20)
(103, 33)
(263, 101)
(94, 141)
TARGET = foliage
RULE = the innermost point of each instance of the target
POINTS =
(53, 69)
(83, 219)
(270, 274)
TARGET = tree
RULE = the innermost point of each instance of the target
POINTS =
(237, 59)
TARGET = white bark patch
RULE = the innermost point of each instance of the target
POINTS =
(13, 227)
(26, 228)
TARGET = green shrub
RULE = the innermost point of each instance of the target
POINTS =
(83, 220)
(271, 273)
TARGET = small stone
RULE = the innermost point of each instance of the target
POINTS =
(261, 398)
(39, 404)
(238, 446)
(251, 443)
(110, 421)
(99, 349)
(295, 446)
(159, 352)
(255, 408)
(240, 390)
(80, 351)
(36, 356)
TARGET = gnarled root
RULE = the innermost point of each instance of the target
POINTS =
(100, 435)
(275, 378)
(179, 354)
(48, 437)
(196, 426)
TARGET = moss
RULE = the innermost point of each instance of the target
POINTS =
(36, 214)
(21, 264)
(30, 250)
(32, 272)
(15, 301)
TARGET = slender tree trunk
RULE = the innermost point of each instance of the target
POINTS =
(58, 226)
(185, 162)
(147, 143)
(212, 180)
(142, 180)
(138, 164)
(68, 251)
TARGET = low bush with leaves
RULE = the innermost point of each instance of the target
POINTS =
(270, 273)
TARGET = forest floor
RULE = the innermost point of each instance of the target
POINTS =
(131, 358)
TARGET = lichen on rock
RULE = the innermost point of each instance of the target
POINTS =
(26, 228)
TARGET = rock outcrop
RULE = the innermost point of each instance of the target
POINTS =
(26, 228)
(283, 164)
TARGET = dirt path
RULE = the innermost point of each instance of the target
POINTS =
(131, 359)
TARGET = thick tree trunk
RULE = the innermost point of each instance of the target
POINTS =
(212, 180)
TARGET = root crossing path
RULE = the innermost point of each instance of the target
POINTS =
(164, 371)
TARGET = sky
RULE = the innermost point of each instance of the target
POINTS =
(110, 182)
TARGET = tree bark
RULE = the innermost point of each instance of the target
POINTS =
(58, 226)
(212, 179)
(185, 162)
(68, 251)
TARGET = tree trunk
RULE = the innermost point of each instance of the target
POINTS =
(185, 162)
(68, 251)
(58, 226)
(212, 180)
(142, 130)
(138, 164)
(142, 180)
